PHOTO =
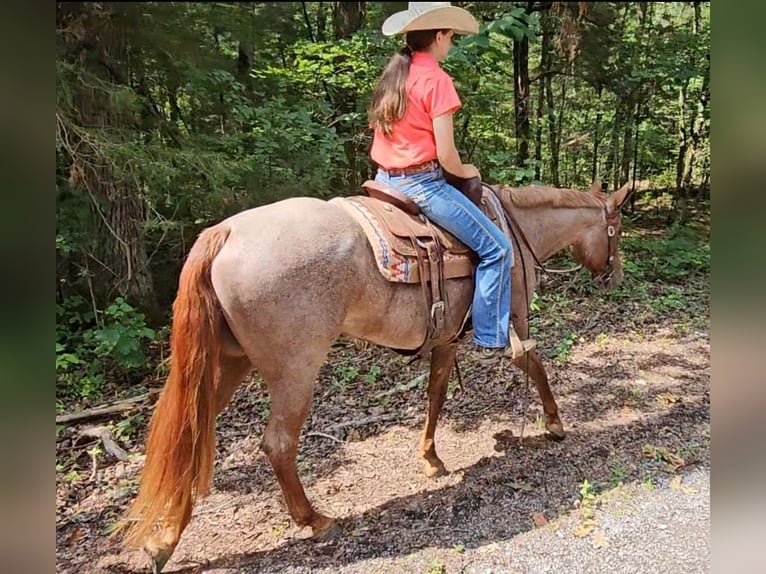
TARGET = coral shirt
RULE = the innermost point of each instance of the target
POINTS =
(430, 93)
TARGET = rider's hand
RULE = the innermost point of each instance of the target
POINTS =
(469, 171)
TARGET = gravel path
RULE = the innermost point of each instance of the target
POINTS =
(662, 531)
(633, 529)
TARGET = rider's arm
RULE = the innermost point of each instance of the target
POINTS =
(446, 151)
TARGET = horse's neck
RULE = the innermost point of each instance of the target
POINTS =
(551, 229)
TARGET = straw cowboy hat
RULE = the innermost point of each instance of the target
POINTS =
(431, 16)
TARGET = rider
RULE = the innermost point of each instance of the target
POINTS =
(411, 115)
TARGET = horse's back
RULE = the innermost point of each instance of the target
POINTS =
(288, 261)
(299, 227)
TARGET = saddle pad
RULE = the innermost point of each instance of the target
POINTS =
(394, 253)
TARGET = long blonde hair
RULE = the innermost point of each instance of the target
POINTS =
(389, 100)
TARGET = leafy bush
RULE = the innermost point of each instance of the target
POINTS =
(95, 346)
(681, 253)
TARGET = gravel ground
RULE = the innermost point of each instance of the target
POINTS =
(664, 531)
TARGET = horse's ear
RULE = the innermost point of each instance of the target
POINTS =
(596, 187)
(618, 197)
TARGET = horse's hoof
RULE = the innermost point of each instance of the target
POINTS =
(327, 533)
(160, 548)
(434, 470)
(159, 559)
(556, 431)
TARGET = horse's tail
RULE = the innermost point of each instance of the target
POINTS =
(181, 446)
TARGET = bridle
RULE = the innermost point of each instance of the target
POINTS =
(611, 236)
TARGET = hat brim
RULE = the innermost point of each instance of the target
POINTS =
(447, 17)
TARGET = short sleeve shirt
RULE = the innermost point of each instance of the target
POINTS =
(430, 93)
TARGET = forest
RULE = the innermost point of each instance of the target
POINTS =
(172, 116)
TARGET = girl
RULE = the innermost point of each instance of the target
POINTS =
(411, 115)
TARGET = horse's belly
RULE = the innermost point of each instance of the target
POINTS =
(388, 314)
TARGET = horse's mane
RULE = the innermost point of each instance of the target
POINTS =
(544, 196)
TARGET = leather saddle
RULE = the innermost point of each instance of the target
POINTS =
(411, 249)
(471, 188)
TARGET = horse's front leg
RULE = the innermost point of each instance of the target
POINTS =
(442, 359)
(530, 363)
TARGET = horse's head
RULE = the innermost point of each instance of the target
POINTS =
(596, 248)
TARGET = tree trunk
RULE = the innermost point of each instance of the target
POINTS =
(596, 137)
(545, 74)
(245, 52)
(553, 135)
(554, 140)
(244, 63)
(539, 118)
(698, 123)
(118, 205)
(463, 138)
(348, 17)
(321, 21)
(637, 121)
(615, 149)
(627, 144)
(683, 152)
(521, 98)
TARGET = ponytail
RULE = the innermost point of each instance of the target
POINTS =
(389, 100)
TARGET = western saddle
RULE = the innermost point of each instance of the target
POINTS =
(411, 249)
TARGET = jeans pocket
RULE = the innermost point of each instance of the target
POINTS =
(414, 190)
(421, 201)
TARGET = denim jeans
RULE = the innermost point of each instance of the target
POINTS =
(450, 209)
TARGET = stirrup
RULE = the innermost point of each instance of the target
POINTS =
(518, 347)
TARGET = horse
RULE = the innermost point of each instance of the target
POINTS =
(272, 287)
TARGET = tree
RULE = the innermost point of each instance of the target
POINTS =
(92, 40)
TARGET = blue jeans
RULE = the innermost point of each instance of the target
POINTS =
(450, 209)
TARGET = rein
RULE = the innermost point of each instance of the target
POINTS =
(562, 271)
(513, 224)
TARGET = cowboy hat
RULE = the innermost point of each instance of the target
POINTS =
(431, 16)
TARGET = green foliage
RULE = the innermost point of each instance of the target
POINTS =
(344, 375)
(588, 498)
(564, 348)
(126, 427)
(206, 109)
(95, 347)
(372, 376)
(436, 566)
(683, 252)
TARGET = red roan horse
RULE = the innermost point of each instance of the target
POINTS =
(271, 288)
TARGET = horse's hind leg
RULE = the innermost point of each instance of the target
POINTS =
(232, 369)
(442, 359)
(291, 387)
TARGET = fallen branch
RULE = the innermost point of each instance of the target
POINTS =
(324, 435)
(405, 387)
(110, 445)
(119, 407)
(365, 421)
